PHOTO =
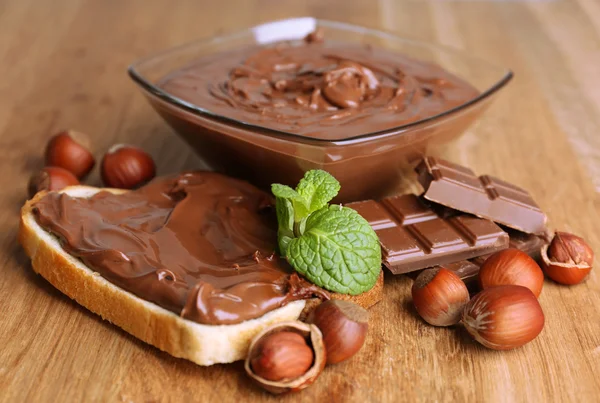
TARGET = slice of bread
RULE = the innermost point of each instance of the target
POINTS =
(202, 344)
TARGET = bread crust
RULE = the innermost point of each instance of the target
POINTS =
(202, 344)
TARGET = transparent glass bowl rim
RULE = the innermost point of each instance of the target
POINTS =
(139, 78)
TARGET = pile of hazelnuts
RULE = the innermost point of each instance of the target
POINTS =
(503, 315)
(506, 313)
(289, 356)
(68, 160)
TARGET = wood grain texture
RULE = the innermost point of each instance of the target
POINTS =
(63, 65)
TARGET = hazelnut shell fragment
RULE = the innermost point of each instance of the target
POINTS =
(314, 339)
(568, 259)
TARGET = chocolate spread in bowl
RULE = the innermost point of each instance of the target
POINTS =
(199, 244)
(319, 89)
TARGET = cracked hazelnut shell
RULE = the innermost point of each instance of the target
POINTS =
(568, 259)
(313, 338)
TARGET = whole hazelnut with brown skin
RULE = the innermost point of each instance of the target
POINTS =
(511, 267)
(70, 150)
(50, 178)
(439, 296)
(568, 259)
(126, 167)
(344, 326)
(504, 317)
(286, 357)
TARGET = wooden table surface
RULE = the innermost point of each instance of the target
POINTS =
(62, 65)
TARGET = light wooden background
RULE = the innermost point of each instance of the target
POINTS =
(62, 64)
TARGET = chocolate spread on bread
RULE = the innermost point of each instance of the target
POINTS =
(199, 244)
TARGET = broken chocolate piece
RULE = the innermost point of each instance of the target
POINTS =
(459, 188)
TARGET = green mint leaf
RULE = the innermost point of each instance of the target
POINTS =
(283, 191)
(338, 250)
(332, 246)
(317, 188)
(299, 203)
(285, 221)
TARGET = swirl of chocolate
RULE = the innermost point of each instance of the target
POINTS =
(349, 84)
(317, 88)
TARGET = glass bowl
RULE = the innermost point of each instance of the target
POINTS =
(368, 165)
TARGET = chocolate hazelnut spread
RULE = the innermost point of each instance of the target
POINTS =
(318, 88)
(199, 244)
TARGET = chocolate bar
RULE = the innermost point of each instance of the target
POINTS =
(459, 188)
(413, 236)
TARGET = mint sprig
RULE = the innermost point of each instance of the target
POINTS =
(313, 192)
(332, 246)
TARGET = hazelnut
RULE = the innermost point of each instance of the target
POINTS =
(439, 296)
(70, 150)
(126, 167)
(511, 267)
(504, 317)
(283, 355)
(568, 259)
(51, 178)
(284, 359)
(344, 327)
